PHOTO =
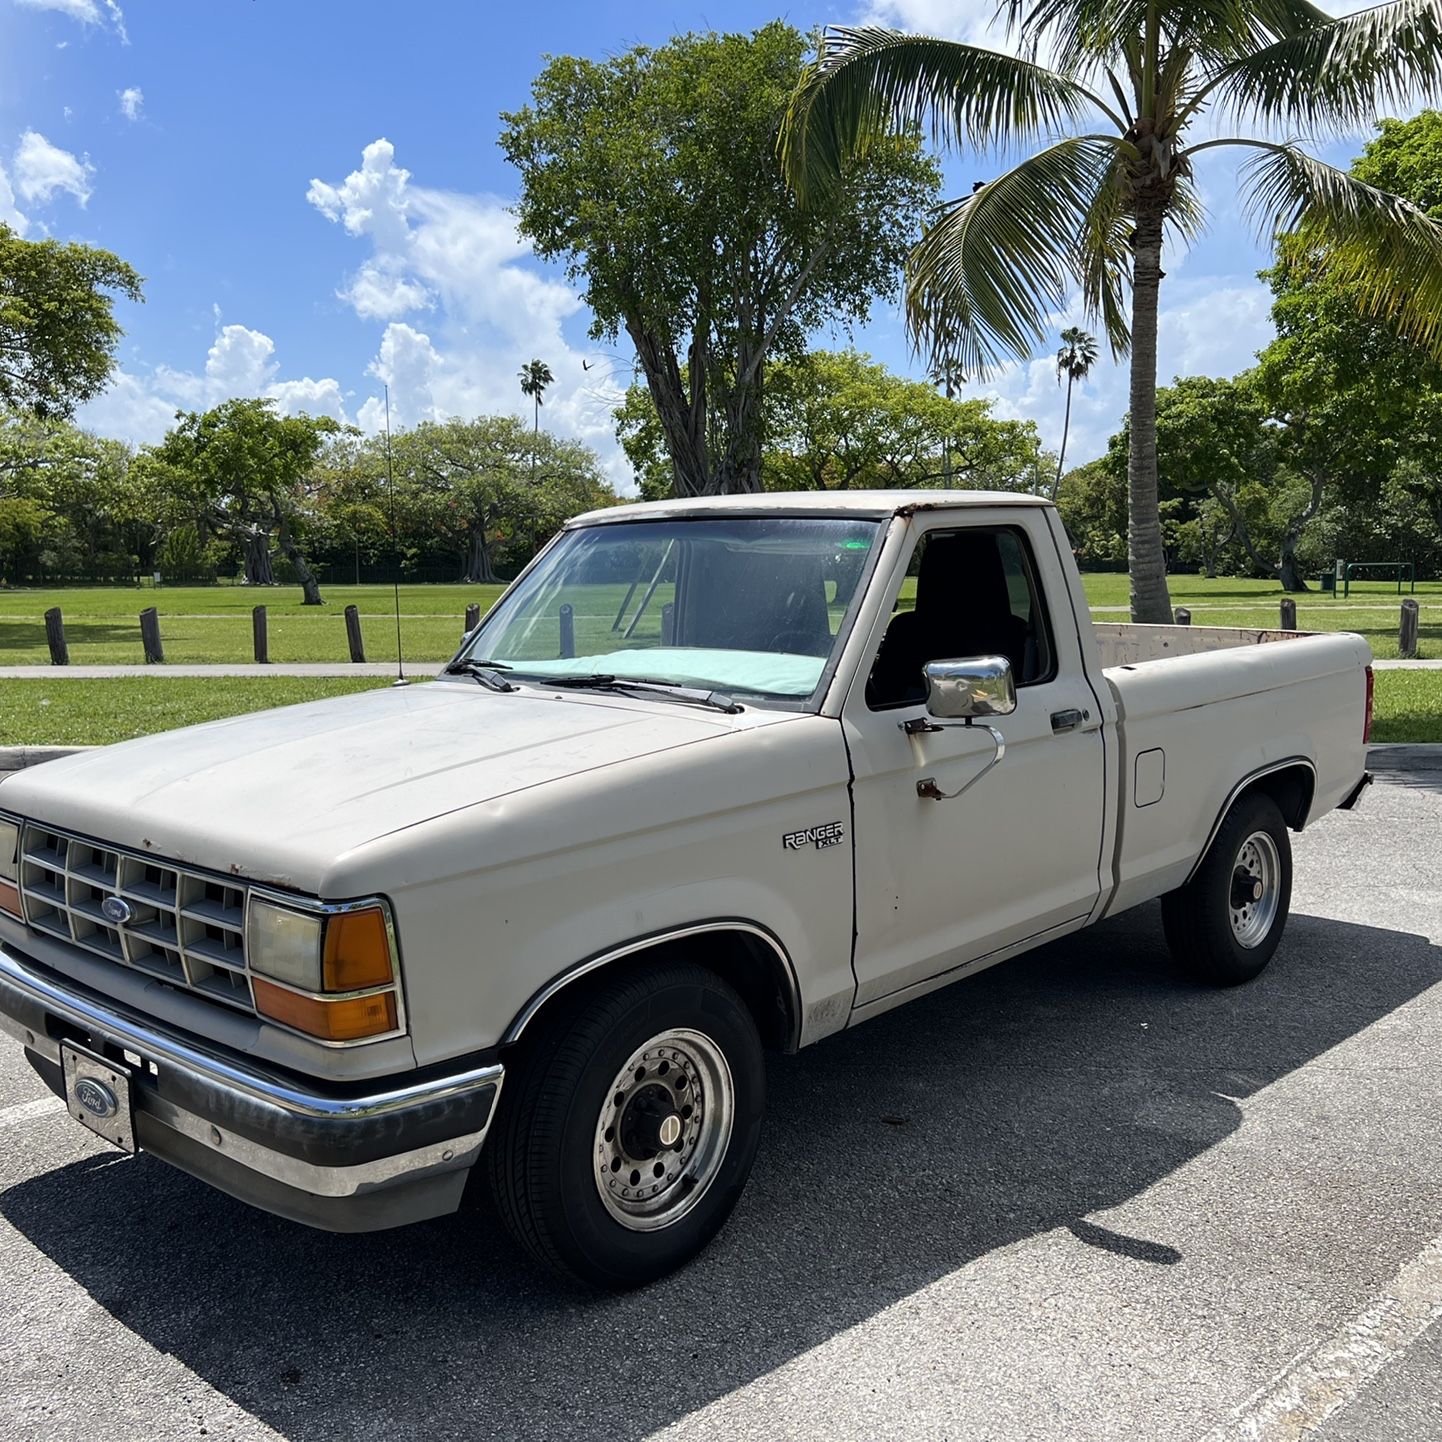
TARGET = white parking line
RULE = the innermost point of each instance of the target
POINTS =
(25, 1111)
(1323, 1380)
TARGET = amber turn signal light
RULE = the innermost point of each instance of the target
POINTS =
(357, 951)
(9, 898)
(344, 1019)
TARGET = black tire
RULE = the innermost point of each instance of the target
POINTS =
(1199, 917)
(544, 1151)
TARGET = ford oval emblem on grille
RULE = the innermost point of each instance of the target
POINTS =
(96, 1098)
(116, 909)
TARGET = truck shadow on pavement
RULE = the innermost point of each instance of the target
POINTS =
(1058, 1085)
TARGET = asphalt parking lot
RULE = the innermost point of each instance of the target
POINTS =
(1074, 1198)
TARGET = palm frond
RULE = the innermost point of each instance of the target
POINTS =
(985, 276)
(868, 82)
(1078, 34)
(1384, 249)
(1340, 74)
(1105, 255)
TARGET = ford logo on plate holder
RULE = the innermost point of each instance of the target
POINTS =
(116, 909)
(96, 1098)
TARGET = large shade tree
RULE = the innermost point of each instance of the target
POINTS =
(653, 177)
(246, 472)
(58, 330)
(1122, 96)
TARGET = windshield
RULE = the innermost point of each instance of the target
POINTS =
(749, 605)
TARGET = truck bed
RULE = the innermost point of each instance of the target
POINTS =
(1200, 707)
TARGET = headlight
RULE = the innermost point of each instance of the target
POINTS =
(336, 971)
(9, 866)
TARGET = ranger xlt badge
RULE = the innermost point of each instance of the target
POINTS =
(831, 834)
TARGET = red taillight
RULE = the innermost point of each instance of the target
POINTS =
(1367, 717)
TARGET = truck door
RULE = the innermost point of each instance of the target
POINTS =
(942, 884)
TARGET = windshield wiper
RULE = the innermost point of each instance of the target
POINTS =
(483, 671)
(689, 695)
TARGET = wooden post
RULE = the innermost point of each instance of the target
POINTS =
(353, 635)
(1184, 616)
(1407, 632)
(150, 637)
(1289, 614)
(258, 636)
(473, 617)
(568, 631)
(668, 624)
(55, 637)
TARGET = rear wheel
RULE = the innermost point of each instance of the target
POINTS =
(629, 1127)
(1224, 925)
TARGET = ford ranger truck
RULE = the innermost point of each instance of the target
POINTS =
(712, 777)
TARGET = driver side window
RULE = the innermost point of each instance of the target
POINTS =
(967, 593)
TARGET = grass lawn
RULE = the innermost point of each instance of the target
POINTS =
(206, 624)
(1408, 705)
(211, 624)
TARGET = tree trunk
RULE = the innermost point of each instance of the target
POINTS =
(1151, 603)
(479, 570)
(1288, 572)
(682, 416)
(1065, 429)
(309, 586)
(255, 543)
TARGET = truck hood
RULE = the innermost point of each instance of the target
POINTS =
(280, 796)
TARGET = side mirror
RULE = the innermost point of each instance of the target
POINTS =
(965, 690)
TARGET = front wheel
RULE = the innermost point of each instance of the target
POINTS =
(1225, 923)
(628, 1131)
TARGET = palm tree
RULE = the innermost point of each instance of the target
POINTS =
(535, 377)
(1124, 84)
(1078, 354)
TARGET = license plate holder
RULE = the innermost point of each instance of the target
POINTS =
(99, 1096)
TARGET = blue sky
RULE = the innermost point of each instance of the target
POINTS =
(315, 197)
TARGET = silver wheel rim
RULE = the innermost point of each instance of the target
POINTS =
(663, 1130)
(1256, 889)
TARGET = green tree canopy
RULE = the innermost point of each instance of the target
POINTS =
(836, 420)
(58, 330)
(246, 472)
(653, 177)
(469, 486)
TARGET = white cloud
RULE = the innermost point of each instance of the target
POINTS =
(9, 212)
(376, 293)
(970, 20)
(241, 362)
(132, 99)
(460, 258)
(41, 169)
(87, 12)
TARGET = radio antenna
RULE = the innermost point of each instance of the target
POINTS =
(395, 546)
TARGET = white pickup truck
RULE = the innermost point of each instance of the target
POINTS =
(712, 777)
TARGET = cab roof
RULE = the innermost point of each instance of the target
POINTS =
(877, 505)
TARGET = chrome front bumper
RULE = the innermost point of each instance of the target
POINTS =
(345, 1159)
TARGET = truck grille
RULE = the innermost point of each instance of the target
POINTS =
(185, 927)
